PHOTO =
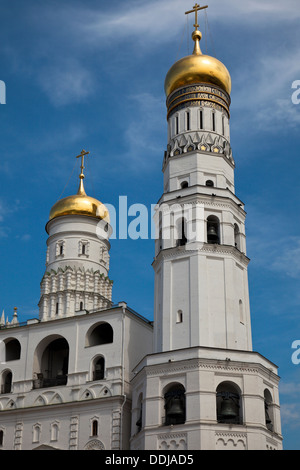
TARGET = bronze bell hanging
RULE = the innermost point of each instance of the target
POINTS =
(175, 407)
(212, 235)
(228, 409)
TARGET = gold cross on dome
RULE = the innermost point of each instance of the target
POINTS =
(195, 10)
(82, 155)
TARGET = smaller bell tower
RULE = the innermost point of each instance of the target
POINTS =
(77, 262)
(204, 387)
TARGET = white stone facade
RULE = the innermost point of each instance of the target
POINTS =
(44, 405)
(203, 388)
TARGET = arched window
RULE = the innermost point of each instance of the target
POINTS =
(268, 410)
(54, 432)
(36, 433)
(241, 309)
(1, 437)
(179, 316)
(12, 350)
(229, 408)
(188, 119)
(213, 121)
(213, 230)
(99, 368)
(139, 422)
(6, 381)
(100, 334)
(237, 237)
(181, 232)
(209, 183)
(201, 119)
(51, 362)
(176, 125)
(184, 184)
(175, 407)
(95, 427)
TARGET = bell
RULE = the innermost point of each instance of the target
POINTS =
(212, 235)
(175, 408)
(228, 409)
(268, 420)
(139, 422)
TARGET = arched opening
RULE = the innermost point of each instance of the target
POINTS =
(184, 184)
(1, 438)
(209, 183)
(188, 120)
(175, 406)
(36, 433)
(95, 427)
(241, 310)
(99, 334)
(181, 232)
(237, 237)
(53, 363)
(54, 432)
(213, 230)
(6, 381)
(139, 422)
(176, 125)
(229, 408)
(12, 349)
(179, 316)
(213, 121)
(99, 368)
(268, 410)
(201, 119)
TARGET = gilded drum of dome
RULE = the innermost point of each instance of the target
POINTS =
(197, 68)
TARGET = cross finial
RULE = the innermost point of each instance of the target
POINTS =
(82, 155)
(81, 190)
(195, 10)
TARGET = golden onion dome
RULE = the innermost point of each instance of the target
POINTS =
(197, 68)
(80, 204)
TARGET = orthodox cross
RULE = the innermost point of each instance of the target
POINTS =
(195, 10)
(82, 155)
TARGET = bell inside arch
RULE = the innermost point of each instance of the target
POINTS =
(212, 234)
(229, 406)
(175, 408)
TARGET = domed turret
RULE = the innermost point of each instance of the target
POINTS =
(197, 68)
(80, 204)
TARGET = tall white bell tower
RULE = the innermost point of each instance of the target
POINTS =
(201, 283)
(204, 387)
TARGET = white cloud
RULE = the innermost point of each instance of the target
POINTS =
(290, 414)
(288, 261)
(66, 82)
(144, 136)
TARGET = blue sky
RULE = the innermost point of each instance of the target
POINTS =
(90, 74)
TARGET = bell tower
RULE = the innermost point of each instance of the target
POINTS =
(201, 284)
(77, 261)
(204, 387)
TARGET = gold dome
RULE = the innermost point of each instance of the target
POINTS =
(197, 68)
(80, 204)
